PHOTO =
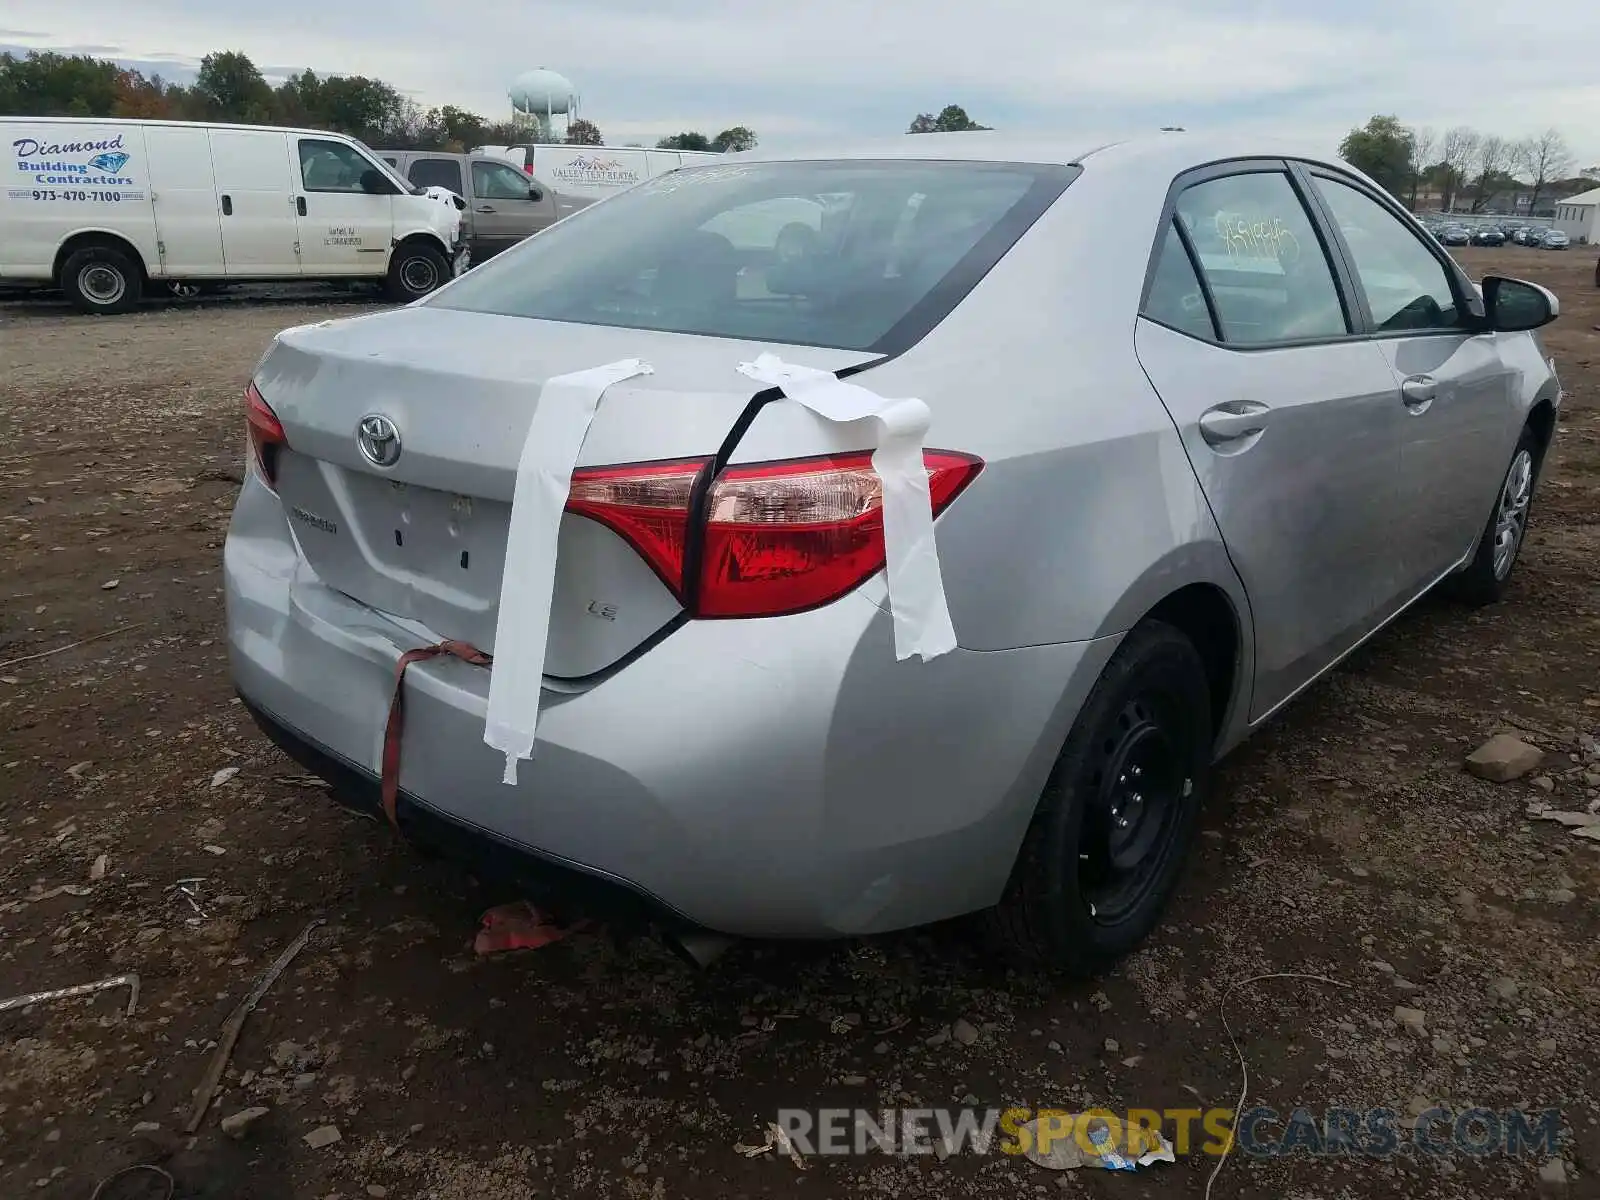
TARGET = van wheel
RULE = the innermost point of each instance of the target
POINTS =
(1117, 817)
(415, 270)
(100, 279)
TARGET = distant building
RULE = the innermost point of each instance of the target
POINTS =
(1579, 216)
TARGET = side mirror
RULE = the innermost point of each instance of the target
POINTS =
(375, 183)
(1514, 305)
(535, 192)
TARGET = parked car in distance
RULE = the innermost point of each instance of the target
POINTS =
(725, 735)
(1455, 235)
(1554, 239)
(1488, 235)
(595, 172)
(102, 207)
(504, 205)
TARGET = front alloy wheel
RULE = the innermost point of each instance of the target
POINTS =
(1485, 578)
(1511, 516)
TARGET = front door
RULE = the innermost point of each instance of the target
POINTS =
(507, 206)
(1454, 410)
(255, 195)
(1281, 408)
(344, 229)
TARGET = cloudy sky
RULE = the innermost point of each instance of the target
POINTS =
(645, 68)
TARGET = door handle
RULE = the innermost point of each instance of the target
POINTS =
(1419, 391)
(1231, 422)
(227, 206)
(300, 205)
(486, 208)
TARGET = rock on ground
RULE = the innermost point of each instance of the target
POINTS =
(1503, 758)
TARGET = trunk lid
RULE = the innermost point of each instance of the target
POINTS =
(425, 538)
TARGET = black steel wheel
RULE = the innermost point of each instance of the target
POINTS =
(1107, 843)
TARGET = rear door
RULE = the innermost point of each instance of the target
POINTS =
(507, 206)
(255, 193)
(659, 162)
(1455, 405)
(1283, 409)
(183, 193)
(344, 229)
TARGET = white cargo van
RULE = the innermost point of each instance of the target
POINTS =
(595, 172)
(103, 208)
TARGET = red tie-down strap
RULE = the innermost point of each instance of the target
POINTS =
(397, 712)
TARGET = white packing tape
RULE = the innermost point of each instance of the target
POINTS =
(566, 406)
(916, 586)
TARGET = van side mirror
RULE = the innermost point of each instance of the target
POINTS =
(535, 192)
(375, 183)
(1514, 305)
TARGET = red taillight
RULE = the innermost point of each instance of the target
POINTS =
(779, 537)
(647, 504)
(265, 434)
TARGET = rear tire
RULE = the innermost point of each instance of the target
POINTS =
(1485, 580)
(1107, 843)
(415, 270)
(102, 280)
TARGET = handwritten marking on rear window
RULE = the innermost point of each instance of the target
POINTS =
(1257, 237)
(679, 178)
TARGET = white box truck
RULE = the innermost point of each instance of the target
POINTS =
(595, 172)
(102, 209)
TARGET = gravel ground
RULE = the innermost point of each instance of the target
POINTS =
(1345, 841)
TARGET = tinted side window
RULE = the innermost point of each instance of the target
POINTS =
(436, 172)
(1261, 258)
(1406, 287)
(496, 181)
(1176, 299)
(331, 166)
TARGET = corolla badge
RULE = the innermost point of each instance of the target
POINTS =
(109, 163)
(379, 440)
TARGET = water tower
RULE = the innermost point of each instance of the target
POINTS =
(538, 97)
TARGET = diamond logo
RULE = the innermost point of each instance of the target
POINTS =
(110, 163)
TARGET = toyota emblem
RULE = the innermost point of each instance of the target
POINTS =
(379, 440)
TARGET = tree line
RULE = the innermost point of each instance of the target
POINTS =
(230, 87)
(1462, 165)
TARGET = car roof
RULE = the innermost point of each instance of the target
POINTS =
(1156, 154)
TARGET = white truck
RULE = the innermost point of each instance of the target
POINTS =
(105, 208)
(592, 173)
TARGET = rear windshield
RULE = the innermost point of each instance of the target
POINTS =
(860, 255)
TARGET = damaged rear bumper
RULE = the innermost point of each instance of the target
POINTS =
(764, 778)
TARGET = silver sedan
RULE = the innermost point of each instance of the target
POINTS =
(1204, 417)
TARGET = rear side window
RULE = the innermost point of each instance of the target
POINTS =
(1176, 298)
(858, 255)
(1262, 260)
(1406, 287)
(436, 172)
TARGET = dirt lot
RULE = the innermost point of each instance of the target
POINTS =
(1346, 841)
